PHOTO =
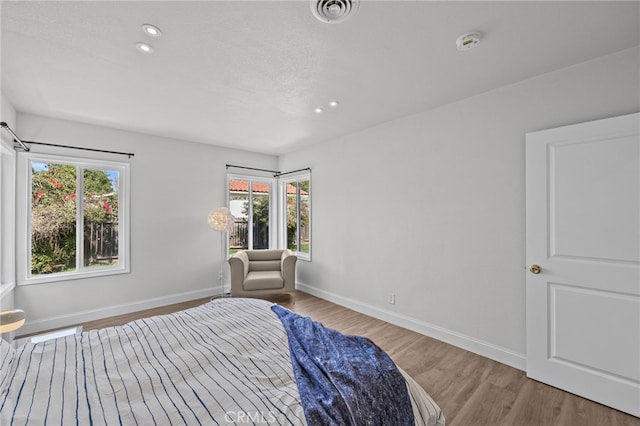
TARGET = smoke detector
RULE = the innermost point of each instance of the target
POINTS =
(468, 41)
(333, 11)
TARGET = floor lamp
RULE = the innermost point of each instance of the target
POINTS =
(221, 219)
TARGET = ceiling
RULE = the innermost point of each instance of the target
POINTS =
(248, 75)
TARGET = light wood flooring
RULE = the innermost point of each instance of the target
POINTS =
(470, 389)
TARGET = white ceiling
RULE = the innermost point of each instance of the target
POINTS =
(248, 74)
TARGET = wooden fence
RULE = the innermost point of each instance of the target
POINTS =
(239, 236)
(100, 243)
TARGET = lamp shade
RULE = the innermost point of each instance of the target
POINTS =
(221, 219)
(11, 320)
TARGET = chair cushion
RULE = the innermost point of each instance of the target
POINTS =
(264, 254)
(264, 265)
(263, 280)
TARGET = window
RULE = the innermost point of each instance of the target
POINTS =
(253, 204)
(250, 202)
(75, 224)
(296, 226)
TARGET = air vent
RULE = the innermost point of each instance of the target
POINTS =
(333, 11)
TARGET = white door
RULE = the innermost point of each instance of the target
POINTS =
(583, 231)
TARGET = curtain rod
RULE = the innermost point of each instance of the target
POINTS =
(15, 137)
(306, 169)
(275, 173)
(27, 149)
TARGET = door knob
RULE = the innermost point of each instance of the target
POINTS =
(535, 269)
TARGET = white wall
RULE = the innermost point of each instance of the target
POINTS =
(174, 254)
(8, 115)
(456, 262)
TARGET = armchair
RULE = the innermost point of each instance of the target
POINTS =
(260, 273)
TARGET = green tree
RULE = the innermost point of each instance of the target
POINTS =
(292, 216)
(53, 212)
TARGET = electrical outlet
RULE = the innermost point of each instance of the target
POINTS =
(392, 298)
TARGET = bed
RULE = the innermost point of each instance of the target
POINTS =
(229, 361)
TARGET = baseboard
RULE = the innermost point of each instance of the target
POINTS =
(489, 350)
(61, 321)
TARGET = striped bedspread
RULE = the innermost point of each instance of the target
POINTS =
(226, 362)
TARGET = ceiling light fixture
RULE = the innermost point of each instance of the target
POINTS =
(318, 109)
(333, 103)
(468, 41)
(144, 47)
(151, 30)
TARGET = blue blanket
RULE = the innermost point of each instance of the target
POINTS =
(344, 380)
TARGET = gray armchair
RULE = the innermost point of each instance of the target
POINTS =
(261, 273)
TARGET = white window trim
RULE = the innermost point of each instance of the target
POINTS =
(7, 215)
(282, 211)
(23, 202)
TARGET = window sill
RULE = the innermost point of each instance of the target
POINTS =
(47, 278)
(303, 256)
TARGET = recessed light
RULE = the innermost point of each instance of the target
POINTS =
(144, 47)
(468, 41)
(151, 30)
(318, 110)
(333, 104)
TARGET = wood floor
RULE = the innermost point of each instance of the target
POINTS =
(470, 389)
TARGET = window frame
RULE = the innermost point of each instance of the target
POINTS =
(282, 228)
(273, 222)
(7, 214)
(23, 219)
